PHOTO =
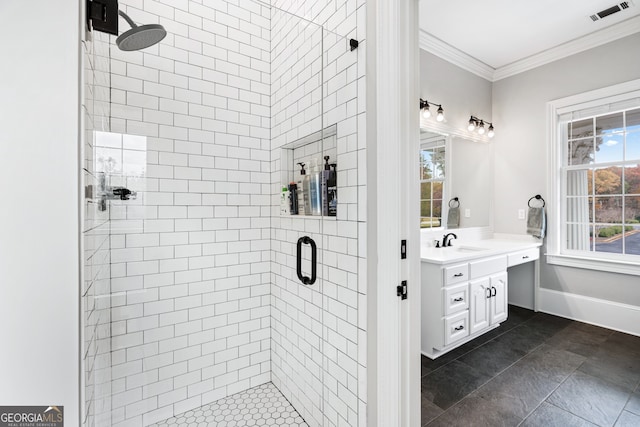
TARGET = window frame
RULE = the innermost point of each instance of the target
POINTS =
(557, 253)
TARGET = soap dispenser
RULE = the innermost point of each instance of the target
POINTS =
(315, 189)
(304, 207)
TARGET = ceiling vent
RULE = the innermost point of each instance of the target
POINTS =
(611, 10)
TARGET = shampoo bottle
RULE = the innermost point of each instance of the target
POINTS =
(293, 198)
(326, 172)
(332, 191)
(304, 207)
(315, 188)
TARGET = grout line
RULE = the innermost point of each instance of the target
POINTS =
(551, 392)
(475, 348)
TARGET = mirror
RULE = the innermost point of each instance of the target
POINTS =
(452, 166)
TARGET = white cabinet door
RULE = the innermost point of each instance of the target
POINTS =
(499, 300)
(479, 304)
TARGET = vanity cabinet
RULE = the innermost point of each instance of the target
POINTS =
(464, 289)
(461, 301)
(488, 303)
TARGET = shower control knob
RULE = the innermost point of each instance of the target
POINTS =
(124, 193)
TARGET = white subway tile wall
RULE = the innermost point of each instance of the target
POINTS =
(190, 257)
(96, 275)
(204, 300)
(318, 353)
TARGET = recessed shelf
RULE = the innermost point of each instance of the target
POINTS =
(311, 150)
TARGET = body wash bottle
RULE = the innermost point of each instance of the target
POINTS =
(315, 188)
(293, 198)
(326, 172)
(284, 201)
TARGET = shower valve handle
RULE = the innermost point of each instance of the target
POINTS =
(122, 193)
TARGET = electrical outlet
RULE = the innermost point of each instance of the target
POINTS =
(520, 213)
(467, 213)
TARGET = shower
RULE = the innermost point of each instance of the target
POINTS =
(102, 15)
(194, 292)
(139, 37)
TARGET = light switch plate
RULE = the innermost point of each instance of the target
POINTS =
(467, 213)
(520, 213)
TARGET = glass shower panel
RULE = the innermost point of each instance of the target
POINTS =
(96, 292)
(188, 163)
(297, 138)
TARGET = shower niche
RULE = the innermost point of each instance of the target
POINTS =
(309, 176)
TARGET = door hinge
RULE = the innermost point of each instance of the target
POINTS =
(401, 290)
(403, 249)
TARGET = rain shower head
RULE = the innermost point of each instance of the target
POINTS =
(139, 37)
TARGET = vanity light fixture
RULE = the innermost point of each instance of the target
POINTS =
(426, 112)
(479, 125)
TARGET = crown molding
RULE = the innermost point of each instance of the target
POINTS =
(457, 57)
(598, 38)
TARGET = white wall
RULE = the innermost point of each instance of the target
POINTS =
(39, 212)
(519, 105)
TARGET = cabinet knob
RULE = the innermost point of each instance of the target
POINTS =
(458, 275)
(459, 299)
(459, 328)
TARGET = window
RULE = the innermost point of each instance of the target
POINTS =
(602, 177)
(432, 177)
(595, 146)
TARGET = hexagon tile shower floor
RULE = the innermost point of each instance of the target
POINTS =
(263, 405)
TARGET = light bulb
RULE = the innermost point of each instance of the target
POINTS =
(440, 116)
(481, 128)
(491, 132)
(472, 125)
(426, 113)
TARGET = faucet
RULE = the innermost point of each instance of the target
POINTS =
(445, 240)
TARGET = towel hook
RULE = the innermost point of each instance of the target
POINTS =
(455, 199)
(537, 197)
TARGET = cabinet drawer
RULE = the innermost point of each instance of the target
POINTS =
(456, 274)
(456, 327)
(524, 256)
(456, 298)
(487, 266)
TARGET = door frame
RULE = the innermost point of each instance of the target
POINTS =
(393, 347)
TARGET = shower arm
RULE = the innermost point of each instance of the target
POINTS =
(126, 18)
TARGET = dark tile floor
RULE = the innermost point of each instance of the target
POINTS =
(536, 370)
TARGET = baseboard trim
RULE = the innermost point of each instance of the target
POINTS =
(525, 306)
(608, 314)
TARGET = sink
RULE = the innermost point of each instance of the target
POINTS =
(468, 249)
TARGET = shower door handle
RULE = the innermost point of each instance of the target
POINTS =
(305, 279)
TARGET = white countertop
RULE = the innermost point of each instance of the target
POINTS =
(465, 250)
